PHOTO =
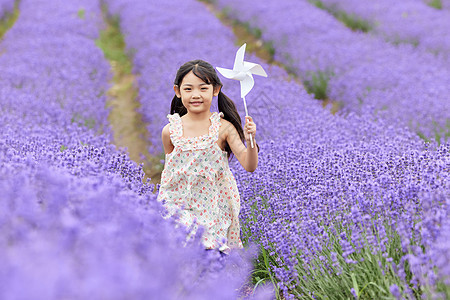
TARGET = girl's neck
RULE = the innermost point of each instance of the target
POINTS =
(200, 116)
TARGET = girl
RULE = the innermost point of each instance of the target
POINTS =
(197, 185)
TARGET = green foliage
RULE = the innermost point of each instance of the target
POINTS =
(364, 95)
(93, 74)
(83, 121)
(370, 276)
(318, 4)
(81, 14)
(8, 19)
(246, 32)
(352, 21)
(18, 85)
(435, 3)
(112, 43)
(422, 136)
(262, 273)
(270, 48)
(89, 123)
(62, 148)
(255, 31)
(369, 271)
(317, 84)
(441, 133)
(398, 41)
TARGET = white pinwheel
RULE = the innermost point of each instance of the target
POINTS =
(242, 71)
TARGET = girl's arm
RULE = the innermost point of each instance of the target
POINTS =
(247, 157)
(167, 143)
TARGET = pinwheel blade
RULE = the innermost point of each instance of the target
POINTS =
(226, 72)
(239, 59)
(247, 85)
(255, 69)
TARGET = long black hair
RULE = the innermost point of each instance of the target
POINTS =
(206, 72)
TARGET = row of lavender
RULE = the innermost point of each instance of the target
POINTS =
(76, 219)
(317, 172)
(360, 70)
(410, 21)
(326, 213)
(6, 6)
(445, 4)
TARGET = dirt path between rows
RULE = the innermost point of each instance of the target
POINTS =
(129, 130)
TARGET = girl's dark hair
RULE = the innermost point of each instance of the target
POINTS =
(206, 72)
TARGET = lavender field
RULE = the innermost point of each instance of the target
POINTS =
(353, 204)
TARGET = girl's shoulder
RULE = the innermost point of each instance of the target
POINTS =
(166, 128)
(223, 121)
(165, 136)
(165, 133)
(226, 126)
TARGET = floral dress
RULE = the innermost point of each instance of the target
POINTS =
(197, 184)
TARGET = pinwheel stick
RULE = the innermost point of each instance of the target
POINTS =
(246, 114)
(242, 71)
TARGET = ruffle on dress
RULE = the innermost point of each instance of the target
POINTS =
(196, 142)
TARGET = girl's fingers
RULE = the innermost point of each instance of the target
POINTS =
(250, 127)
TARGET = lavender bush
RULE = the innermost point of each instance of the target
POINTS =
(77, 221)
(6, 6)
(445, 4)
(361, 70)
(75, 78)
(70, 237)
(405, 22)
(335, 218)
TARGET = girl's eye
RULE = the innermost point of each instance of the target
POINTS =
(204, 89)
(187, 89)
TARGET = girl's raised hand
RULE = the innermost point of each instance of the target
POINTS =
(249, 128)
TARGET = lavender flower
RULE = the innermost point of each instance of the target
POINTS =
(399, 82)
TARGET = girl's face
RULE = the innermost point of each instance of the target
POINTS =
(195, 94)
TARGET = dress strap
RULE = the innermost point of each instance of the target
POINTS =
(175, 127)
(215, 122)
